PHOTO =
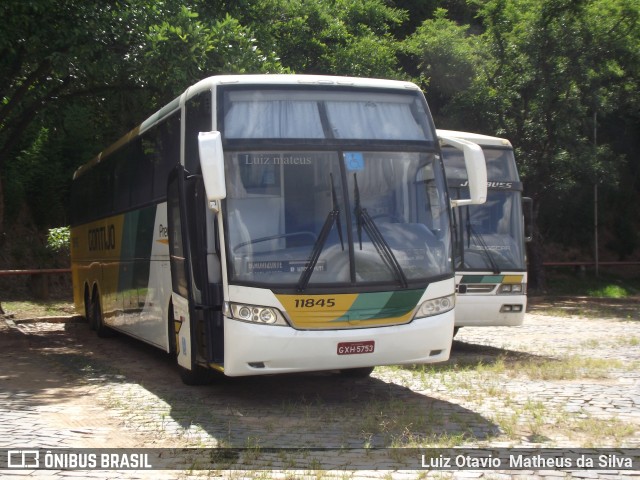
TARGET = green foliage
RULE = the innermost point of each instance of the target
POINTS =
(184, 49)
(37, 182)
(553, 73)
(59, 239)
(609, 291)
(343, 37)
(606, 285)
(556, 77)
(447, 57)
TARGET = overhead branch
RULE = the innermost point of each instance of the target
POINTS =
(16, 128)
(18, 97)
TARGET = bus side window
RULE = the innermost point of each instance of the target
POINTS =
(198, 119)
(142, 189)
(177, 247)
(165, 154)
(121, 181)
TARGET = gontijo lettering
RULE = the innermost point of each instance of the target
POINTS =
(102, 238)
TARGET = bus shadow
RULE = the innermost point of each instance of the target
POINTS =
(329, 411)
(472, 356)
(319, 410)
(475, 353)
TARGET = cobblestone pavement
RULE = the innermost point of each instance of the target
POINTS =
(563, 380)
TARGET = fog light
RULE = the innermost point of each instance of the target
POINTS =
(510, 308)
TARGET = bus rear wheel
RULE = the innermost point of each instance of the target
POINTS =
(88, 312)
(97, 321)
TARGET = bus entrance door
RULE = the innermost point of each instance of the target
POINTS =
(196, 326)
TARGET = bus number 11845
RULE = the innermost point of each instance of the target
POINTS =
(315, 302)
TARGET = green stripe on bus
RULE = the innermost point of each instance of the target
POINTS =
(372, 306)
(482, 279)
(135, 254)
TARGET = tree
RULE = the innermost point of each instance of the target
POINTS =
(103, 58)
(553, 65)
(446, 58)
(341, 37)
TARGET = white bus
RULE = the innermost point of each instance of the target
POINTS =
(489, 239)
(268, 224)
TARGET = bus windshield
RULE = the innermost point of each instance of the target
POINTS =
(318, 114)
(488, 236)
(332, 186)
(362, 217)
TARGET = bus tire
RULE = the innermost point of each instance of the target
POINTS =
(361, 372)
(88, 309)
(96, 313)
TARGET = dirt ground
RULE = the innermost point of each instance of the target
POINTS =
(64, 404)
(62, 386)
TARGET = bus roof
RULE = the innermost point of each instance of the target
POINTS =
(272, 79)
(266, 79)
(294, 79)
(483, 140)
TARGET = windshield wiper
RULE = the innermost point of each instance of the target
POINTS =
(332, 217)
(364, 220)
(471, 232)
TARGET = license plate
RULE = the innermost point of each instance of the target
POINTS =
(355, 348)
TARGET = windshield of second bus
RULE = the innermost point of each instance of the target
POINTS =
(488, 236)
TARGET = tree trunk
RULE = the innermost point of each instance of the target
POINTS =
(535, 254)
(1, 213)
(1, 226)
(536, 276)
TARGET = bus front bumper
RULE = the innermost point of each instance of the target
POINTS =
(252, 349)
(490, 310)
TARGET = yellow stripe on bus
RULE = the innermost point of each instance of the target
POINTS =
(512, 279)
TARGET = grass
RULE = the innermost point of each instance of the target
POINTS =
(599, 430)
(609, 291)
(462, 374)
(483, 383)
(569, 368)
(38, 308)
(565, 283)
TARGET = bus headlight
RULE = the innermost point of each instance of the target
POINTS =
(254, 314)
(436, 306)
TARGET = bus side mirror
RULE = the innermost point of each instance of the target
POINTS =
(212, 163)
(476, 170)
(527, 212)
